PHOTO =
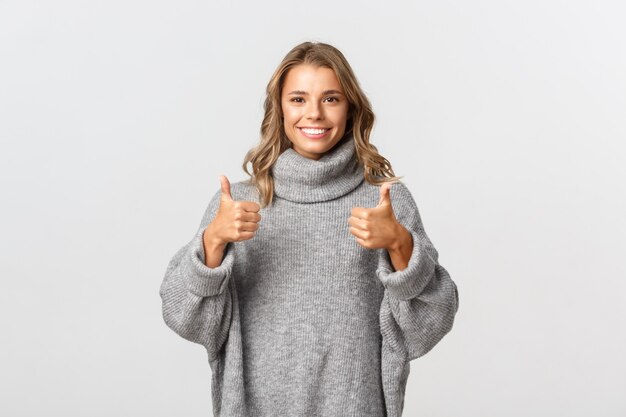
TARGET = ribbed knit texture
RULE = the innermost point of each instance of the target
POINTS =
(301, 320)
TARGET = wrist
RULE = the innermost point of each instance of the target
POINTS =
(403, 240)
(401, 249)
(210, 240)
(214, 249)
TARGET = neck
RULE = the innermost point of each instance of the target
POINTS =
(304, 180)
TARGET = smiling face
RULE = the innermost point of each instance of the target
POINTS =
(313, 98)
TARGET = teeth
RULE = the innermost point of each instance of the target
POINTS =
(314, 131)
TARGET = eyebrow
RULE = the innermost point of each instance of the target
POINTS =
(304, 93)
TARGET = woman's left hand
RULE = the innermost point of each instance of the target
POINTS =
(377, 227)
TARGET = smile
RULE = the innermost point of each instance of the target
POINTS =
(314, 133)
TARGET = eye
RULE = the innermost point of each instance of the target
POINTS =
(336, 99)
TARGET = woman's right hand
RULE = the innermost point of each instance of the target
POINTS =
(234, 221)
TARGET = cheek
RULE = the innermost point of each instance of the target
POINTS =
(340, 115)
(291, 115)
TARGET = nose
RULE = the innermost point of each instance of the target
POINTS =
(314, 110)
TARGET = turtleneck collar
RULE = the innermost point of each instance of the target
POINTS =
(303, 180)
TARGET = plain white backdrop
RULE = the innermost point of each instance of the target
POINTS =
(506, 119)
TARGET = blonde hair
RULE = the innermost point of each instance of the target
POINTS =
(274, 141)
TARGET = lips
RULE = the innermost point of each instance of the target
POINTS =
(314, 135)
(313, 127)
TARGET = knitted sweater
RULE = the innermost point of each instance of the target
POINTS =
(301, 320)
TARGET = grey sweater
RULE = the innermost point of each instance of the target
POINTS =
(301, 320)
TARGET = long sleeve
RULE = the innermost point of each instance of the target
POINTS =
(420, 301)
(197, 300)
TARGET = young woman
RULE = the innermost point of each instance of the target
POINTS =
(313, 284)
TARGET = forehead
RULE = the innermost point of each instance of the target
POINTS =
(310, 79)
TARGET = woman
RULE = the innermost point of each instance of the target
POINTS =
(313, 302)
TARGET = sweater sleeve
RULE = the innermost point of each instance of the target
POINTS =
(197, 299)
(420, 301)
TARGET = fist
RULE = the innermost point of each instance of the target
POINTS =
(377, 227)
(235, 220)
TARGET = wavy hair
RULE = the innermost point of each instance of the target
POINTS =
(274, 141)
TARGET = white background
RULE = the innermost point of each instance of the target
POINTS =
(506, 119)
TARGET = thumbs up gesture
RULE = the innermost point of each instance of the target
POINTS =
(235, 220)
(376, 227)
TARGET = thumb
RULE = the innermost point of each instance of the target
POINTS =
(225, 185)
(385, 197)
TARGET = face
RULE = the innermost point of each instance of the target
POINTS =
(313, 98)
